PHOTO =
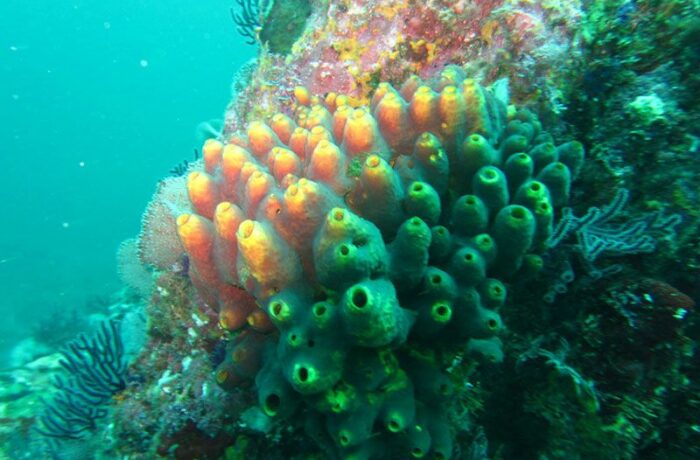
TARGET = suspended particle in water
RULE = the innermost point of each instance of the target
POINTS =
(143, 63)
(81, 164)
(107, 25)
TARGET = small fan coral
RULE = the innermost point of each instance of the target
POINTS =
(369, 239)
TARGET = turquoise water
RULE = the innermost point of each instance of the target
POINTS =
(99, 99)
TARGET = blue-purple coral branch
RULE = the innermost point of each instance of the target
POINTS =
(246, 20)
(96, 370)
(596, 234)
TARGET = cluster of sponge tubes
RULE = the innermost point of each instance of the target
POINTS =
(366, 239)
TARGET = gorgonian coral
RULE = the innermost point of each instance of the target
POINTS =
(369, 240)
(96, 370)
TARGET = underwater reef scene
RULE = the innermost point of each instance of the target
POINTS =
(427, 229)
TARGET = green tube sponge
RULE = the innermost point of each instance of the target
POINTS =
(468, 266)
(342, 397)
(276, 397)
(285, 308)
(493, 293)
(490, 185)
(343, 264)
(341, 223)
(471, 319)
(479, 120)
(372, 316)
(485, 244)
(437, 285)
(291, 338)
(515, 143)
(422, 201)
(527, 116)
(432, 318)
(347, 249)
(470, 216)
(353, 428)
(311, 363)
(557, 177)
(542, 155)
(306, 378)
(371, 368)
(431, 386)
(372, 448)
(399, 407)
(417, 438)
(441, 244)
(315, 428)
(572, 155)
(440, 434)
(530, 193)
(476, 152)
(518, 169)
(543, 138)
(522, 128)
(488, 350)
(409, 253)
(514, 231)
(544, 218)
(378, 194)
(324, 315)
(430, 162)
(532, 266)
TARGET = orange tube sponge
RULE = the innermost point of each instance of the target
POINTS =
(340, 117)
(410, 86)
(259, 185)
(283, 126)
(233, 159)
(316, 134)
(301, 94)
(203, 192)
(266, 264)
(297, 142)
(478, 120)
(211, 152)
(393, 119)
(258, 320)
(327, 164)
(261, 139)
(227, 218)
(283, 161)
(423, 109)
(452, 112)
(197, 237)
(234, 307)
(382, 90)
(361, 134)
(306, 204)
(319, 116)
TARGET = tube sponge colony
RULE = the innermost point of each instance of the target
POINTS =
(371, 237)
